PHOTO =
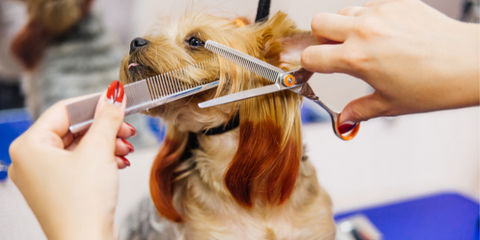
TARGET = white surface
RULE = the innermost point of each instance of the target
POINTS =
(403, 157)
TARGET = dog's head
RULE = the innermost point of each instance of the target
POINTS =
(267, 160)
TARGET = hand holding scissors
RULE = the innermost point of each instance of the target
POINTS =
(295, 81)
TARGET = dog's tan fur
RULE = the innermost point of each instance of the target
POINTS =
(247, 183)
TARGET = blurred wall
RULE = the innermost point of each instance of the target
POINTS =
(451, 8)
(12, 18)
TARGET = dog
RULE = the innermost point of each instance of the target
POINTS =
(247, 182)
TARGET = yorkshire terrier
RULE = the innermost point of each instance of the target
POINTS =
(247, 182)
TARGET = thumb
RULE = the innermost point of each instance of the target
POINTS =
(108, 119)
(361, 109)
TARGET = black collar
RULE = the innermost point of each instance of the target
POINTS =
(232, 124)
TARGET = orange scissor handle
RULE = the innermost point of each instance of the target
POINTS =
(288, 80)
(350, 134)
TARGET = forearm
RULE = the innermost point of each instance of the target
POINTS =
(76, 226)
(460, 84)
(471, 78)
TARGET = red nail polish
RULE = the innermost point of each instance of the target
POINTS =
(346, 127)
(125, 160)
(115, 93)
(134, 131)
(129, 146)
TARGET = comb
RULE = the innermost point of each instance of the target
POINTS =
(142, 95)
(245, 61)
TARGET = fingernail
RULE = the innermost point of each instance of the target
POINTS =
(126, 161)
(346, 127)
(134, 131)
(129, 146)
(115, 93)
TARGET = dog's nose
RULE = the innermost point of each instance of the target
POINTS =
(137, 43)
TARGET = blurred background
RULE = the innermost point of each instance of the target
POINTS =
(395, 172)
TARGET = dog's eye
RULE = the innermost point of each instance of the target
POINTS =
(195, 42)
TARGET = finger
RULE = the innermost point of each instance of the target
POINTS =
(328, 41)
(332, 26)
(126, 131)
(121, 163)
(67, 139)
(323, 40)
(11, 173)
(363, 109)
(55, 119)
(122, 147)
(375, 3)
(107, 121)
(74, 143)
(350, 11)
(115, 231)
(323, 58)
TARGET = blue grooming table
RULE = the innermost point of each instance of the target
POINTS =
(12, 123)
(446, 216)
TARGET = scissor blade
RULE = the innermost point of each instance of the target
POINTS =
(248, 62)
(241, 95)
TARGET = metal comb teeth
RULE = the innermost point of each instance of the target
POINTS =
(171, 82)
(143, 95)
(248, 62)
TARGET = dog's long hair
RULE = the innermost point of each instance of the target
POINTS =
(266, 164)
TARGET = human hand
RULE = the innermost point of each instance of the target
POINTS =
(71, 182)
(415, 58)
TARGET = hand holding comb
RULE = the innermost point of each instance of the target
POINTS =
(141, 95)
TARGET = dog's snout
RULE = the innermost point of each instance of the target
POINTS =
(137, 43)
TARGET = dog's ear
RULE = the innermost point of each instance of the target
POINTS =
(162, 172)
(269, 152)
(267, 160)
(30, 43)
(281, 42)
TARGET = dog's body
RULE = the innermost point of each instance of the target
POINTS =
(213, 214)
(252, 182)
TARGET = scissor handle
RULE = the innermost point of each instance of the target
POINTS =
(334, 116)
(350, 135)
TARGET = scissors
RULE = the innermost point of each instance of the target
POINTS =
(295, 81)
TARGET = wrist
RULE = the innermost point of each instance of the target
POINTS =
(80, 231)
(469, 79)
(458, 73)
